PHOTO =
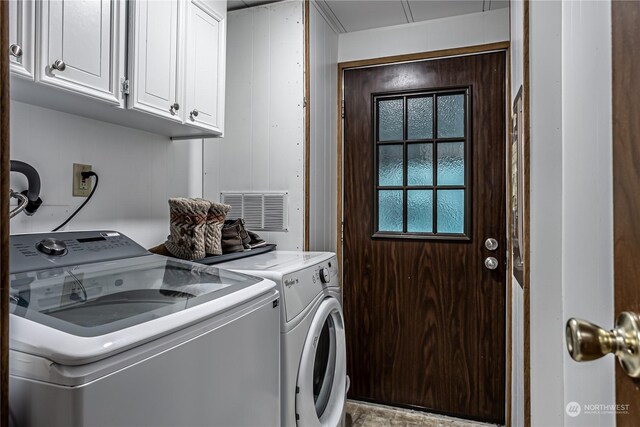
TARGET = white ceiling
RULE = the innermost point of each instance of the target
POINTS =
(355, 15)
(241, 4)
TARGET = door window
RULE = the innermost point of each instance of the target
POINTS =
(421, 159)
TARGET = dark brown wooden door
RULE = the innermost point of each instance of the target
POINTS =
(625, 16)
(424, 187)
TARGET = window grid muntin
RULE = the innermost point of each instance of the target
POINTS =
(434, 141)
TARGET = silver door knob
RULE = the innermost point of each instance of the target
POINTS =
(491, 263)
(586, 341)
(59, 65)
(491, 244)
(15, 50)
(194, 113)
(174, 107)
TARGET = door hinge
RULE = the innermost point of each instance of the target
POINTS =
(342, 232)
(342, 111)
(304, 102)
(124, 86)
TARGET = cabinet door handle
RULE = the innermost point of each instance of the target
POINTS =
(174, 107)
(194, 113)
(15, 50)
(59, 65)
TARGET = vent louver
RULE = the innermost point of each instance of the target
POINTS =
(261, 211)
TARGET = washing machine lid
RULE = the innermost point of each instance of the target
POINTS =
(278, 261)
(83, 313)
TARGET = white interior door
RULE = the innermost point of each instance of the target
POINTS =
(21, 39)
(205, 67)
(154, 62)
(79, 45)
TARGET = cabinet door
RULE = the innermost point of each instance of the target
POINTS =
(22, 20)
(205, 65)
(153, 64)
(80, 46)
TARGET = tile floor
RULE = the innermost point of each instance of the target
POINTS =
(359, 414)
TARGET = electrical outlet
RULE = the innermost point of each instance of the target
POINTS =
(81, 187)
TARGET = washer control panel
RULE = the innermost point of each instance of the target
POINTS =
(302, 287)
(39, 251)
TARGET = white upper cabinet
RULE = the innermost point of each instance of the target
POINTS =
(22, 18)
(161, 62)
(153, 69)
(82, 46)
(205, 64)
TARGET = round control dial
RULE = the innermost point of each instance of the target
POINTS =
(53, 247)
(325, 275)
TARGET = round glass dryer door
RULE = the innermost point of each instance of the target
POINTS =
(322, 376)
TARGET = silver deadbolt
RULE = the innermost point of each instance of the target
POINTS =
(586, 341)
(491, 244)
(491, 263)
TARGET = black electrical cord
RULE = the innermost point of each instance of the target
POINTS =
(85, 175)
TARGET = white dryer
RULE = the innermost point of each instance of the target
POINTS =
(313, 353)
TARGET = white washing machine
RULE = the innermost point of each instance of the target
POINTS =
(313, 355)
(103, 333)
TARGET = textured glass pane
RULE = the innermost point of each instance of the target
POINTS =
(390, 210)
(390, 120)
(451, 116)
(420, 118)
(420, 211)
(450, 211)
(451, 163)
(420, 168)
(390, 164)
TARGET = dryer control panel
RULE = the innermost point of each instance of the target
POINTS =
(301, 287)
(40, 251)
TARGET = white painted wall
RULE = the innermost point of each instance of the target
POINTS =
(436, 34)
(517, 293)
(571, 204)
(517, 355)
(263, 146)
(138, 172)
(323, 49)
(516, 48)
(547, 320)
(587, 194)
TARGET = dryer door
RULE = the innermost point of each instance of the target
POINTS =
(322, 376)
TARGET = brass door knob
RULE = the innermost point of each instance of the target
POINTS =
(586, 341)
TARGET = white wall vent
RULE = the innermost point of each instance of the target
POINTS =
(261, 211)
